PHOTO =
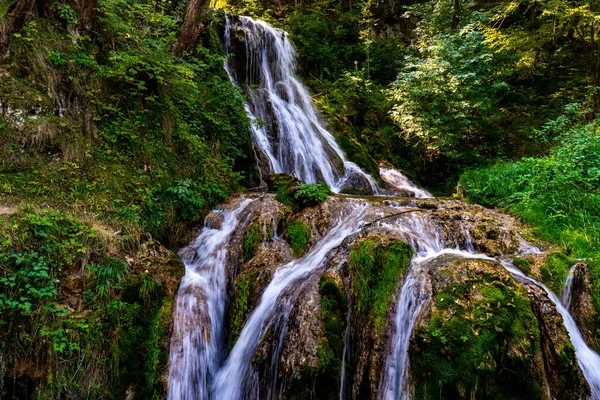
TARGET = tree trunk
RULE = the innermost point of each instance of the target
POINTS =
(456, 14)
(86, 13)
(191, 26)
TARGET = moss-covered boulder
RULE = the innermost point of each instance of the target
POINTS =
(481, 336)
(376, 265)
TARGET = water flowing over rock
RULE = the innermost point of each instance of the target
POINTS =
(402, 184)
(198, 340)
(288, 134)
(588, 359)
(361, 298)
(577, 290)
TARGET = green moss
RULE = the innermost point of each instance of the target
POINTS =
(323, 382)
(251, 241)
(284, 185)
(377, 266)
(334, 306)
(555, 271)
(244, 298)
(479, 343)
(157, 356)
(298, 236)
(522, 264)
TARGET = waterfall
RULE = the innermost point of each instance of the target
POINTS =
(237, 369)
(286, 129)
(198, 342)
(413, 294)
(588, 359)
(289, 137)
(567, 288)
(399, 181)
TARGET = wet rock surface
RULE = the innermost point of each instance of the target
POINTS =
(582, 306)
(507, 336)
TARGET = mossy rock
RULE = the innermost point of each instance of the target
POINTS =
(298, 236)
(555, 270)
(247, 287)
(480, 337)
(251, 240)
(376, 267)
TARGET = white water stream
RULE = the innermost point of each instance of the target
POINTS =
(290, 136)
(198, 340)
(568, 288)
(588, 359)
(237, 368)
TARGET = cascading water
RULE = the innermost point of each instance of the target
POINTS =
(427, 243)
(399, 181)
(292, 138)
(289, 138)
(588, 359)
(567, 288)
(198, 340)
(236, 371)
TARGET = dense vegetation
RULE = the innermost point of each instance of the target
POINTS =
(75, 314)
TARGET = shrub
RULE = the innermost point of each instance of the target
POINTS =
(311, 194)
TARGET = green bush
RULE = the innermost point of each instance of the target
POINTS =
(311, 194)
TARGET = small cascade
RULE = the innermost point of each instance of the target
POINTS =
(345, 355)
(567, 288)
(413, 295)
(235, 376)
(198, 340)
(288, 134)
(427, 242)
(399, 181)
(588, 359)
(526, 247)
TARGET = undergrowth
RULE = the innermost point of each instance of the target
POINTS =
(559, 194)
(68, 299)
